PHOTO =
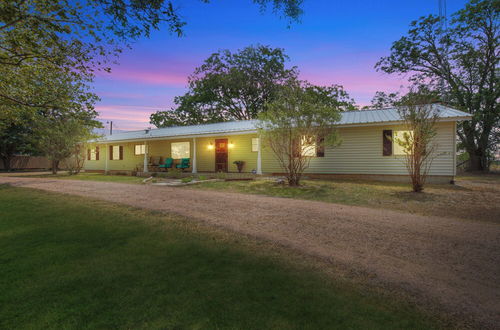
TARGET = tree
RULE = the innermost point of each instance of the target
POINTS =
(84, 35)
(298, 125)
(15, 137)
(383, 100)
(229, 86)
(461, 61)
(417, 141)
(60, 134)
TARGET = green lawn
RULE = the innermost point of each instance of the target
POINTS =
(90, 177)
(70, 262)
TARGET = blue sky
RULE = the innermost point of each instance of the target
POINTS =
(336, 42)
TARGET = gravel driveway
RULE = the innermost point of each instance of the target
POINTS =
(455, 263)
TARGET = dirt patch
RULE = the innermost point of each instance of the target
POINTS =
(453, 262)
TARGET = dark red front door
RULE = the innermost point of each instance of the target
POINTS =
(221, 155)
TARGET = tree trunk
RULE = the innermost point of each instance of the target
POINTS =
(477, 162)
(55, 165)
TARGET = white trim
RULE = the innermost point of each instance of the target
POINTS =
(454, 135)
(106, 159)
(259, 157)
(146, 157)
(193, 166)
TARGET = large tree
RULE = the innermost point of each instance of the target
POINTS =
(81, 36)
(238, 86)
(460, 59)
(229, 86)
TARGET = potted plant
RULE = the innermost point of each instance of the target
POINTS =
(239, 164)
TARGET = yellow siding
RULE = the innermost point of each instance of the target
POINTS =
(361, 153)
(241, 150)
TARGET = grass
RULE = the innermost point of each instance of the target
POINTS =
(70, 262)
(474, 198)
(91, 177)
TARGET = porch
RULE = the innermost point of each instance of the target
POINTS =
(208, 154)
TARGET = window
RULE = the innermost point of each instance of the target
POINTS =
(387, 142)
(93, 154)
(115, 152)
(180, 150)
(308, 145)
(255, 144)
(140, 149)
(320, 147)
(401, 136)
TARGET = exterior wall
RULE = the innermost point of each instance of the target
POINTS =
(361, 153)
(241, 150)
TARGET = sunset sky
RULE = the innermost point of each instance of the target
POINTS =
(336, 42)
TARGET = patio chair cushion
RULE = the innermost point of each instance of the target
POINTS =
(184, 163)
(168, 163)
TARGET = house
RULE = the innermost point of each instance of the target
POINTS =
(366, 150)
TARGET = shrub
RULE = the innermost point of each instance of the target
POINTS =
(186, 180)
(174, 173)
(239, 164)
(220, 175)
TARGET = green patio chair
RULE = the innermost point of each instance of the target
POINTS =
(169, 162)
(184, 163)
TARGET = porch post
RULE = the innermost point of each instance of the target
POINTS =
(259, 157)
(195, 169)
(145, 156)
(106, 159)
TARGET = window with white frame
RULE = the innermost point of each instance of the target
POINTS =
(180, 150)
(116, 153)
(255, 144)
(140, 149)
(93, 154)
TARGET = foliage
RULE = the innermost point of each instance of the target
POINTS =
(174, 173)
(220, 175)
(15, 136)
(297, 123)
(75, 162)
(461, 61)
(59, 132)
(383, 100)
(388, 100)
(417, 141)
(229, 86)
(239, 164)
(187, 179)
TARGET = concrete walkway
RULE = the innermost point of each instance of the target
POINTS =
(455, 263)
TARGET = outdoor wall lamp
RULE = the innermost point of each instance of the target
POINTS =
(231, 145)
(211, 146)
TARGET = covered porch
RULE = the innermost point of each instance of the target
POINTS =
(196, 154)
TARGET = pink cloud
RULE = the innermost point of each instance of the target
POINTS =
(146, 77)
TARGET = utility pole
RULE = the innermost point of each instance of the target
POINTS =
(110, 127)
(444, 27)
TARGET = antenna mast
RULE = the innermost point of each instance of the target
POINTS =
(444, 27)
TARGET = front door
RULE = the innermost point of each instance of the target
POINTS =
(221, 155)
